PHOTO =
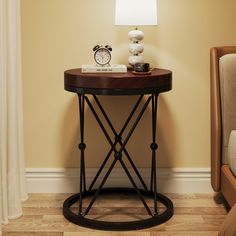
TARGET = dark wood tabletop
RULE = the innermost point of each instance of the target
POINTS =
(159, 80)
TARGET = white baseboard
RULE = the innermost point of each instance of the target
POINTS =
(176, 180)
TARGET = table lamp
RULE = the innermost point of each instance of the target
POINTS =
(136, 13)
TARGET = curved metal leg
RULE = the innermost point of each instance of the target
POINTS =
(154, 147)
(82, 147)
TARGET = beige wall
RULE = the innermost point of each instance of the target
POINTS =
(59, 35)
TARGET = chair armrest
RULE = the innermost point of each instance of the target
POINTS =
(215, 120)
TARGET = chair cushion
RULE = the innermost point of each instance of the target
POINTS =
(232, 152)
(227, 67)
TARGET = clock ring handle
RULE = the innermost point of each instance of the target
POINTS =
(108, 47)
(95, 48)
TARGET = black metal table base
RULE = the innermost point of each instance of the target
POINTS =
(118, 147)
(153, 220)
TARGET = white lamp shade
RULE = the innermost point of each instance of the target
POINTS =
(136, 12)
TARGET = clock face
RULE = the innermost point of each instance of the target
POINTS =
(102, 56)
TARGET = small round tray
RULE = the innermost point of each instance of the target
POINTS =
(142, 73)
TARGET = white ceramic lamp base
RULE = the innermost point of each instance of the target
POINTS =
(135, 59)
(135, 47)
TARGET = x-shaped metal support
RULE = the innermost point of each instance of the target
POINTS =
(118, 152)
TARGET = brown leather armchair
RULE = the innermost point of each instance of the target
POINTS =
(222, 178)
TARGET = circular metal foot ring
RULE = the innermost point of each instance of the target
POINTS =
(118, 226)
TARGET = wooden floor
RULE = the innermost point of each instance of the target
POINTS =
(195, 214)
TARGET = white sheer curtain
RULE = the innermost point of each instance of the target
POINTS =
(12, 170)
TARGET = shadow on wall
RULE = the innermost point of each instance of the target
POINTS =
(166, 135)
(118, 109)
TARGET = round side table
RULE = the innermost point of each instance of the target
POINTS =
(110, 84)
